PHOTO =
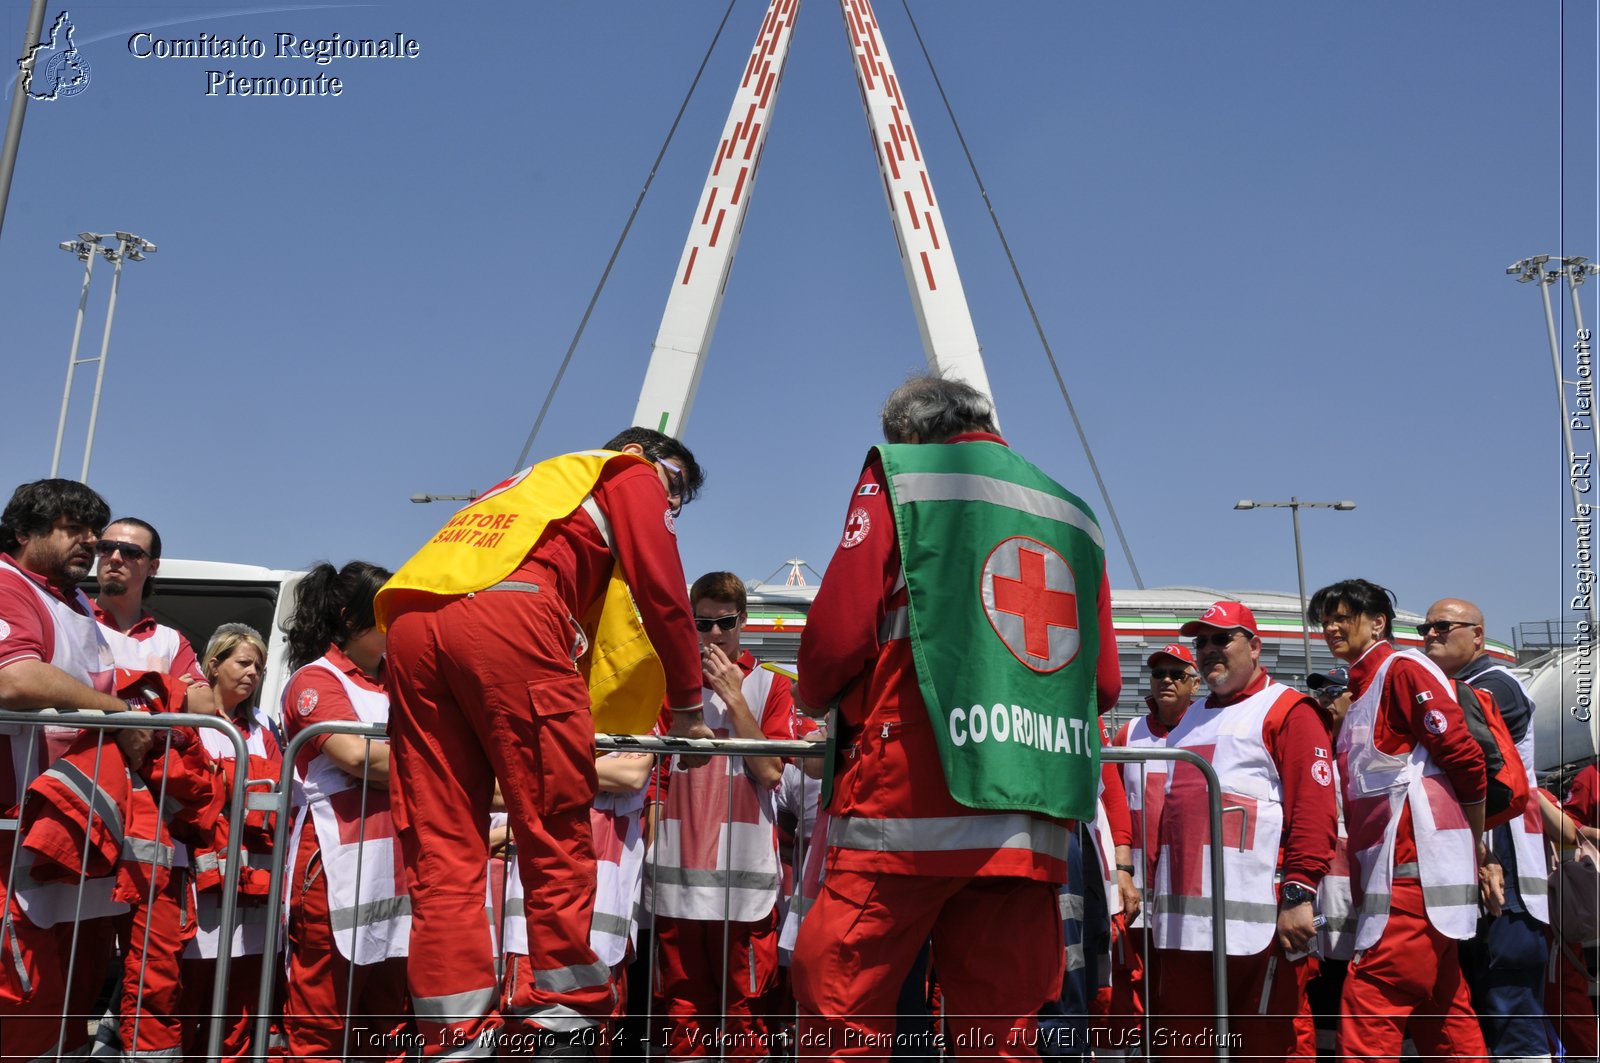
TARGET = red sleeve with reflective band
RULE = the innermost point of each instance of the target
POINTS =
(1416, 704)
(28, 633)
(1584, 796)
(1108, 672)
(186, 665)
(1115, 797)
(1296, 737)
(777, 716)
(841, 636)
(315, 695)
(646, 545)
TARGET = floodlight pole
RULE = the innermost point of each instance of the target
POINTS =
(128, 245)
(1293, 506)
(86, 250)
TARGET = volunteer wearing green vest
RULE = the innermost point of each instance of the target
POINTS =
(963, 630)
(504, 630)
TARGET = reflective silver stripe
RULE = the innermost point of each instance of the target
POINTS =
(591, 507)
(1006, 830)
(751, 967)
(1450, 896)
(512, 585)
(1533, 887)
(1075, 960)
(1071, 905)
(263, 861)
(567, 979)
(558, 1018)
(1238, 911)
(616, 925)
(147, 851)
(1406, 871)
(175, 1052)
(207, 862)
(694, 876)
(455, 1007)
(895, 625)
(968, 487)
(371, 912)
(97, 800)
(16, 957)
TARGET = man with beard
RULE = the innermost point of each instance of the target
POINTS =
(1270, 748)
(52, 655)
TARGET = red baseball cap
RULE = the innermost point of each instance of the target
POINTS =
(1175, 650)
(1223, 616)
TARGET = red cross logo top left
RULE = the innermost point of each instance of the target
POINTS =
(1031, 599)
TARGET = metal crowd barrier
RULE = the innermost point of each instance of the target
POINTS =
(279, 800)
(1219, 937)
(34, 722)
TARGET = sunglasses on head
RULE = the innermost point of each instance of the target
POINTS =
(724, 623)
(1216, 638)
(1177, 675)
(130, 552)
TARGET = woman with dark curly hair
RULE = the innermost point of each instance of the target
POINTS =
(349, 915)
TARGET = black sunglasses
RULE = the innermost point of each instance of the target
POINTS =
(1441, 627)
(130, 552)
(1177, 675)
(1216, 638)
(703, 623)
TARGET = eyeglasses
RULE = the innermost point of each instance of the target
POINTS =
(130, 552)
(675, 486)
(1218, 639)
(1441, 627)
(724, 623)
(1176, 675)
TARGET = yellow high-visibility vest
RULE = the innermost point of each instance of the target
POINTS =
(488, 539)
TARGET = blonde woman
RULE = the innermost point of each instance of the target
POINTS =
(234, 660)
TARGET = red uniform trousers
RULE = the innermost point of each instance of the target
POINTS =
(35, 1028)
(326, 995)
(1184, 1009)
(153, 937)
(484, 688)
(1411, 976)
(1305, 1023)
(1567, 999)
(239, 1009)
(1119, 1009)
(996, 943)
(691, 957)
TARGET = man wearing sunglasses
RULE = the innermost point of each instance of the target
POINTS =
(551, 605)
(964, 632)
(715, 904)
(1414, 786)
(1505, 963)
(1269, 746)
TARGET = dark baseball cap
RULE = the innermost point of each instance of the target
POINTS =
(1334, 680)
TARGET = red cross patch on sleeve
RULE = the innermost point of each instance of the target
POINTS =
(856, 528)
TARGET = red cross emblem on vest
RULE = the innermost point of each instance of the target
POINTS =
(1030, 597)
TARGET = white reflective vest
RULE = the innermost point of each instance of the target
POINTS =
(1252, 828)
(1527, 830)
(368, 905)
(1146, 786)
(81, 651)
(716, 844)
(1336, 939)
(250, 920)
(154, 654)
(1376, 784)
(615, 820)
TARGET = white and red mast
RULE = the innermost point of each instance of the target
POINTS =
(690, 318)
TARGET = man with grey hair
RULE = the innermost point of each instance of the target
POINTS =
(963, 634)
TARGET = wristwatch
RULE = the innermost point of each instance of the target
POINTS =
(1294, 894)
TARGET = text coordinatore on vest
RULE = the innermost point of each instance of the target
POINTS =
(279, 47)
(1013, 723)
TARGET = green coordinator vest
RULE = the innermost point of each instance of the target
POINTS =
(1003, 568)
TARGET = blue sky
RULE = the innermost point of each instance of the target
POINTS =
(1267, 242)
